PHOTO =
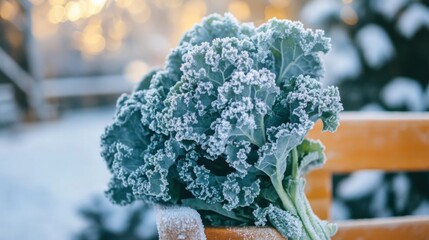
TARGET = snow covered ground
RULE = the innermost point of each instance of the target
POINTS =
(48, 171)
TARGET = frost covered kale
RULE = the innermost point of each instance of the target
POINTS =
(221, 128)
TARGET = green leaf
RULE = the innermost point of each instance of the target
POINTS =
(270, 194)
(311, 155)
(273, 156)
(287, 224)
(293, 48)
(218, 208)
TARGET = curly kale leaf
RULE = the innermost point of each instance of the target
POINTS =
(294, 50)
(216, 26)
(221, 127)
(216, 207)
(311, 156)
(121, 148)
(289, 225)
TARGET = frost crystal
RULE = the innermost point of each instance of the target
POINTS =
(221, 127)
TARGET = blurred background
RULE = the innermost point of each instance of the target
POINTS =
(63, 63)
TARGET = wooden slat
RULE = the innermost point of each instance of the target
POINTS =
(415, 228)
(248, 233)
(387, 141)
(318, 184)
(319, 192)
(321, 207)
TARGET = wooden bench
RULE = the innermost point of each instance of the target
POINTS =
(383, 141)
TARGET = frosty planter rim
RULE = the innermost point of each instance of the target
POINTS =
(184, 223)
(248, 233)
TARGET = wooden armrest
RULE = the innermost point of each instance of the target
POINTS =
(410, 227)
(386, 141)
(248, 233)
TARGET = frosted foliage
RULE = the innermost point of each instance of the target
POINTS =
(427, 95)
(372, 107)
(287, 223)
(415, 16)
(404, 92)
(401, 186)
(339, 210)
(219, 120)
(422, 209)
(343, 60)
(182, 223)
(379, 202)
(388, 8)
(376, 45)
(359, 184)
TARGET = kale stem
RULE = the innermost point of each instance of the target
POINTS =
(284, 197)
(296, 203)
(315, 221)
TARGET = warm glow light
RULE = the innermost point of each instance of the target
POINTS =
(56, 14)
(192, 13)
(348, 15)
(137, 7)
(143, 15)
(114, 45)
(164, 4)
(135, 70)
(42, 29)
(273, 11)
(8, 10)
(280, 3)
(73, 11)
(240, 9)
(98, 2)
(91, 40)
(95, 6)
(92, 43)
(118, 30)
(36, 2)
(124, 3)
(347, 1)
(57, 2)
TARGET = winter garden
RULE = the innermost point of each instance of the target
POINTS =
(276, 120)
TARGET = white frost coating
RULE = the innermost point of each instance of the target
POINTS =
(376, 45)
(415, 17)
(427, 96)
(388, 8)
(182, 223)
(316, 12)
(401, 184)
(343, 59)
(256, 233)
(422, 209)
(372, 107)
(379, 203)
(360, 184)
(403, 91)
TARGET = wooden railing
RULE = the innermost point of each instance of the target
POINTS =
(383, 141)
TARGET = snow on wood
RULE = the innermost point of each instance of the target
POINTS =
(384, 228)
(179, 223)
(247, 233)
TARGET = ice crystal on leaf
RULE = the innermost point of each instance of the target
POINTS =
(221, 127)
